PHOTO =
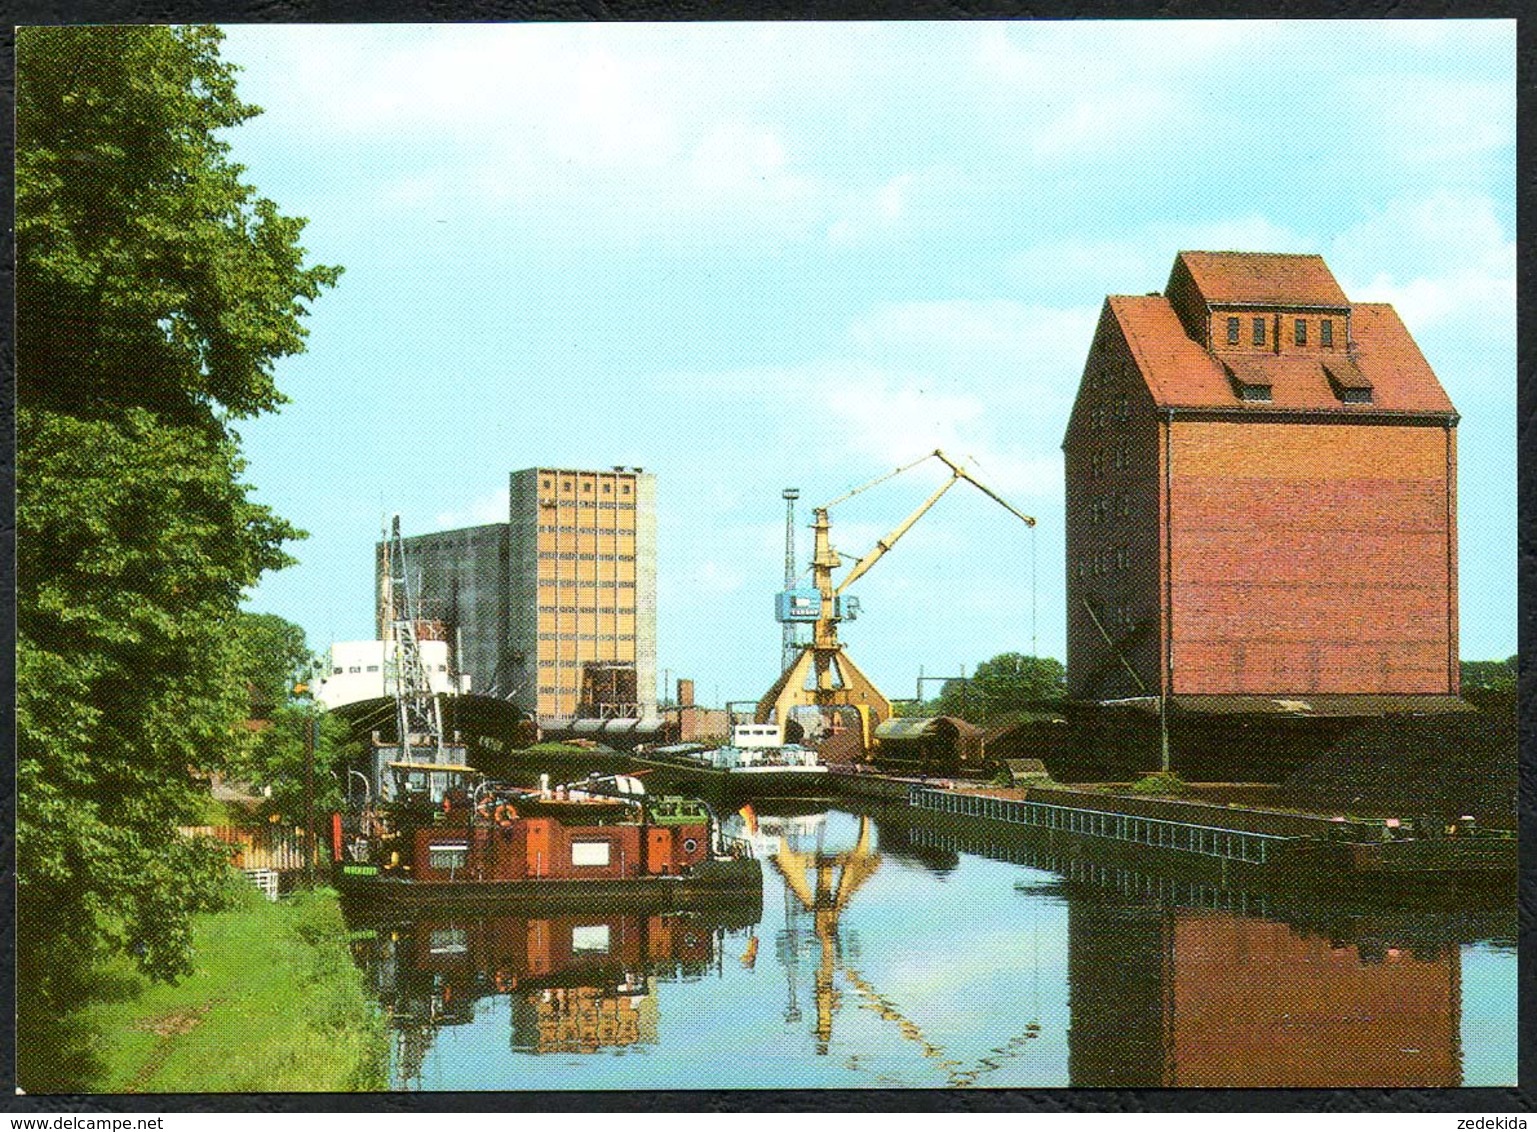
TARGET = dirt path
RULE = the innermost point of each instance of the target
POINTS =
(168, 1027)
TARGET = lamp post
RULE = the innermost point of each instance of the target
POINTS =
(311, 727)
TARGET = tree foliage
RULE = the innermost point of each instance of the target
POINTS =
(1490, 675)
(1007, 683)
(155, 292)
(275, 760)
(274, 656)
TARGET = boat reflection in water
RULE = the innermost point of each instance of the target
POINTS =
(573, 983)
(894, 954)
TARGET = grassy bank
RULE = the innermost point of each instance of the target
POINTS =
(275, 1005)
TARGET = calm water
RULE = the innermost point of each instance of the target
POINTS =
(882, 957)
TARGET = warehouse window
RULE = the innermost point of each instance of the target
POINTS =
(1300, 336)
(546, 483)
(587, 487)
(608, 488)
(1259, 332)
(1232, 335)
(1326, 332)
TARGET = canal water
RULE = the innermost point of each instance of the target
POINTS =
(884, 956)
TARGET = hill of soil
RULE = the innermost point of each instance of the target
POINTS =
(1429, 765)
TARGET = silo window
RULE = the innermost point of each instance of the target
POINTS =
(1259, 332)
(1232, 332)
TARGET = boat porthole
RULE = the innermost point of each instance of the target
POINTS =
(689, 845)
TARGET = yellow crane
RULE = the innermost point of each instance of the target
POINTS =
(823, 675)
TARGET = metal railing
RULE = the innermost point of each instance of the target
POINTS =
(1160, 833)
(1073, 867)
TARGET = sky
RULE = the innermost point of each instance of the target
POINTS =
(754, 256)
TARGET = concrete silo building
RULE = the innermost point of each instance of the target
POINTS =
(555, 609)
(1261, 496)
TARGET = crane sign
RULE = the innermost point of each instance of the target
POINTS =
(823, 675)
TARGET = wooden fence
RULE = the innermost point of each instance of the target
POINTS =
(277, 847)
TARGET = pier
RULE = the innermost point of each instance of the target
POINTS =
(1206, 840)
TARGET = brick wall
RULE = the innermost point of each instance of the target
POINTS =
(1311, 558)
(1111, 461)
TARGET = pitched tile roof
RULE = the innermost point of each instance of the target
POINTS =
(1268, 278)
(1180, 373)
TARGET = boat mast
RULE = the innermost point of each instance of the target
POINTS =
(418, 716)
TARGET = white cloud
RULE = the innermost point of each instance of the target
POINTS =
(1089, 269)
(1016, 349)
(872, 213)
(489, 508)
(1442, 257)
(1421, 119)
(1077, 89)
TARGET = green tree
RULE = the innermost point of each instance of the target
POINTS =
(1490, 675)
(1008, 682)
(155, 292)
(275, 655)
(276, 756)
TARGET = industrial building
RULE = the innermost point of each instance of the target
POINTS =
(555, 609)
(1261, 495)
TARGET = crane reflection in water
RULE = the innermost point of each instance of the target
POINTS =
(892, 953)
(821, 883)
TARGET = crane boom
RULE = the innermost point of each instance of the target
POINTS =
(957, 472)
(823, 674)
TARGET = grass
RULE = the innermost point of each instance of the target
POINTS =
(1160, 784)
(275, 1005)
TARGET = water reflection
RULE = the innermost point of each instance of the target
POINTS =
(1192, 997)
(573, 983)
(893, 955)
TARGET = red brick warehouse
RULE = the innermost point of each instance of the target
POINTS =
(1261, 493)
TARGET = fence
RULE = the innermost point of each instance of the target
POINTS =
(252, 847)
(1207, 841)
(1070, 866)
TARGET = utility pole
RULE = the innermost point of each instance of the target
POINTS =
(311, 725)
(789, 649)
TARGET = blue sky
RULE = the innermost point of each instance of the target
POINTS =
(750, 256)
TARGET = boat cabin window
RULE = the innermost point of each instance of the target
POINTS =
(589, 852)
(449, 857)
